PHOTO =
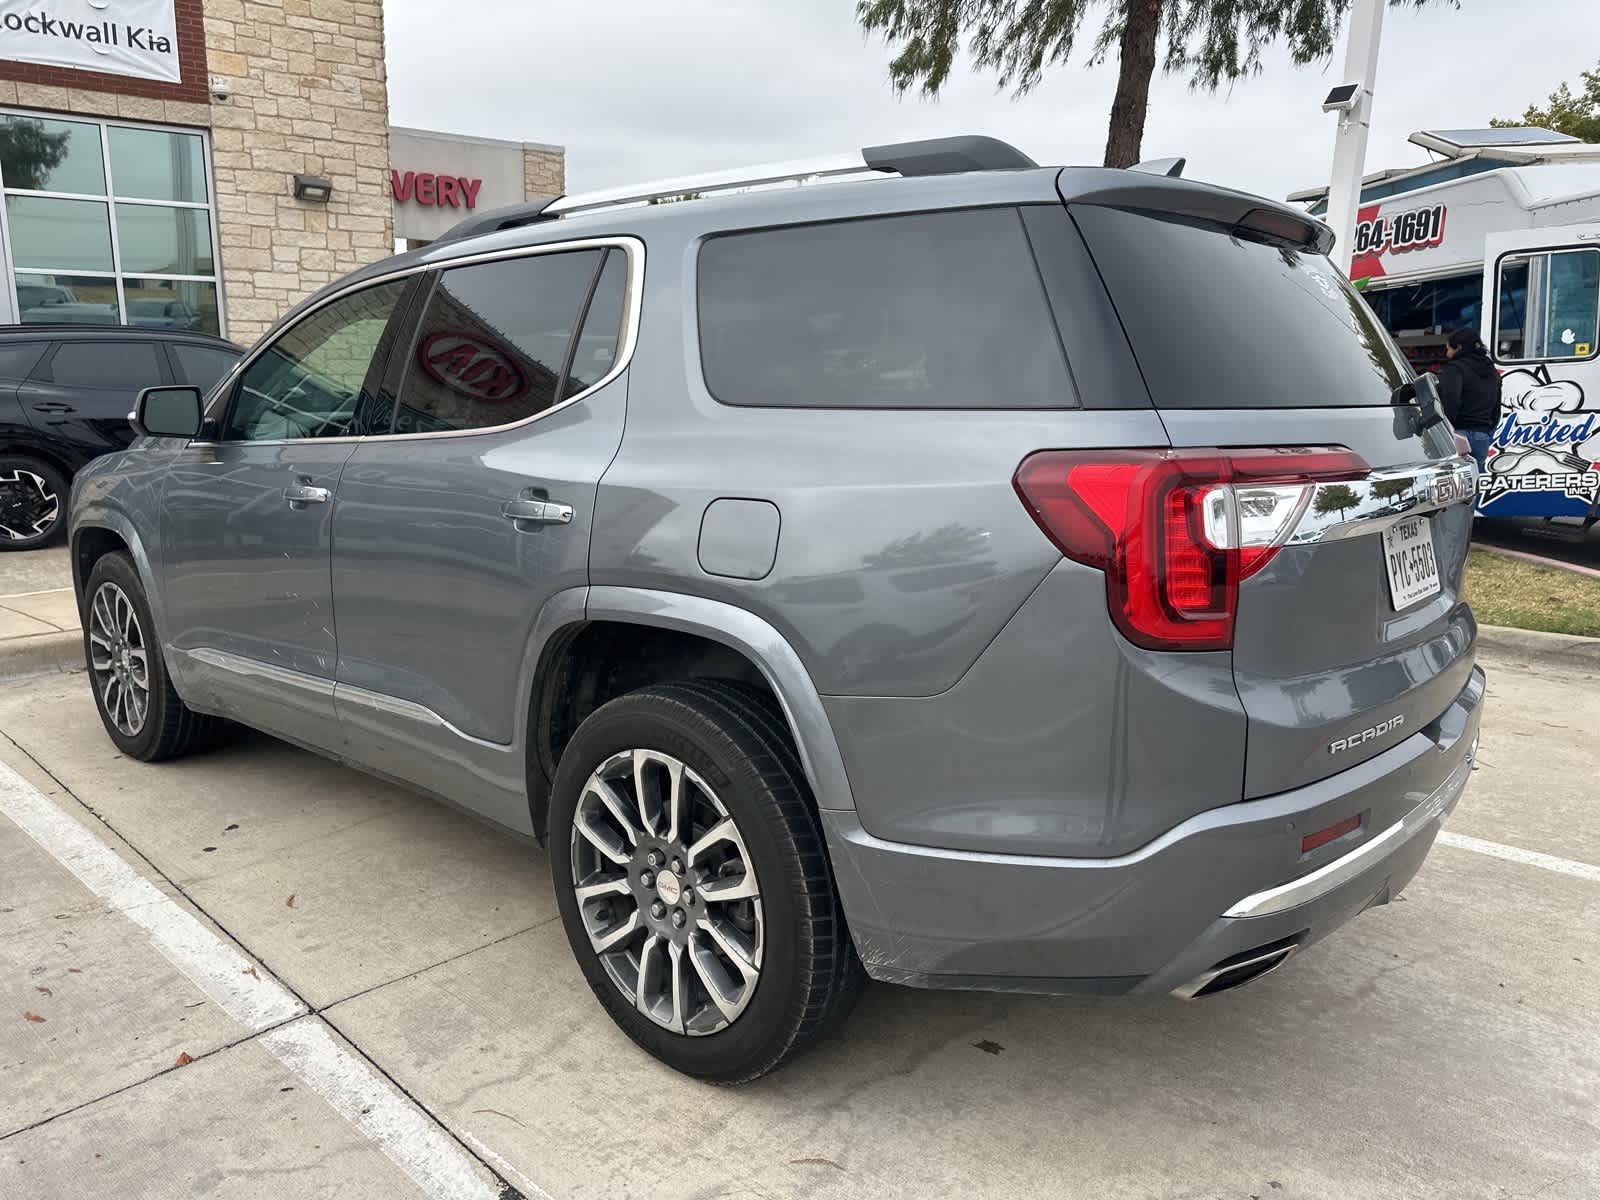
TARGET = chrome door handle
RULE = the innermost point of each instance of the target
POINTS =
(300, 494)
(538, 512)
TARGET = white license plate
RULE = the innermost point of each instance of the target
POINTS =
(1408, 555)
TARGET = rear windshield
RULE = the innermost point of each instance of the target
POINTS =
(1218, 321)
(932, 310)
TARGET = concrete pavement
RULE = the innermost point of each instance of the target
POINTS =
(1447, 1045)
(39, 626)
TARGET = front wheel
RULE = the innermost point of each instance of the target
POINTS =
(141, 710)
(692, 881)
(33, 503)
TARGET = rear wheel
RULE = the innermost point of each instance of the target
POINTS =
(33, 503)
(139, 707)
(693, 885)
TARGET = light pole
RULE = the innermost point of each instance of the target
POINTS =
(1352, 100)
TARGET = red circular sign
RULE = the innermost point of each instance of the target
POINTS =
(473, 366)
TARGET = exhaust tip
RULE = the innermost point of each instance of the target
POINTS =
(1239, 969)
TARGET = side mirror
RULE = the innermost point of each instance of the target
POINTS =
(167, 412)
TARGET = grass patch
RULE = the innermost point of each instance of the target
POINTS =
(1508, 591)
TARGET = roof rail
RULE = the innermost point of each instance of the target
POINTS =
(938, 156)
(495, 219)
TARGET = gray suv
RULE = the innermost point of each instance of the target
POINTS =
(965, 574)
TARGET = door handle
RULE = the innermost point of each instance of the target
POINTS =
(301, 494)
(538, 512)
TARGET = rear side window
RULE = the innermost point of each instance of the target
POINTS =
(18, 358)
(106, 365)
(1221, 321)
(202, 365)
(934, 310)
(493, 343)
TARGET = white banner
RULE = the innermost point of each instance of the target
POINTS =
(122, 37)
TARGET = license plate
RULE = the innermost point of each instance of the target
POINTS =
(1408, 555)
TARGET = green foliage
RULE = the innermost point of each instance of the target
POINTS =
(1335, 497)
(1565, 113)
(29, 153)
(1212, 41)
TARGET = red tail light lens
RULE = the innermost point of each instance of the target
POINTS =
(1175, 531)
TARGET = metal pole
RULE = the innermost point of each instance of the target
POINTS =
(1350, 142)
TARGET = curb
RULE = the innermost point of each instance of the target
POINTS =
(1556, 649)
(43, 653)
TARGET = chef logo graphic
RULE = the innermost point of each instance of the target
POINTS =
(1546, 440)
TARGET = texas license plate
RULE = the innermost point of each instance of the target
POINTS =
(1408, 555)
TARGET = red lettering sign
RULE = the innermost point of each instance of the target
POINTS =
(434, 191)
(473, 366)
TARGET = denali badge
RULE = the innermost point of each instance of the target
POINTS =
(1339, 745)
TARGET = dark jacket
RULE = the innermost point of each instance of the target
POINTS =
(1469, 387)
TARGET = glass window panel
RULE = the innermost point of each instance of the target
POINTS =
(202, 365)
(48, 299)
(97, 364)
(152, 164)
(172, 304)
(59, 233)
(492, 342)
(1510, 323)
(308, 383)
(51, 156)
(164, 241)
(19, 358)
(1572, 303)
(602, 328)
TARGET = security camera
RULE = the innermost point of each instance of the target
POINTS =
(1342, 98)
(221, 87)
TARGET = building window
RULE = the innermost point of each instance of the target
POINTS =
(106, 223)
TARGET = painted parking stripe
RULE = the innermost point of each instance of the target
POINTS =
(1531, 858)
(252, 997)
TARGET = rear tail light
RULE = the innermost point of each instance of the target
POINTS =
(1176, 531)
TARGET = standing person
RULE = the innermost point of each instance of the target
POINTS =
(1469, 388)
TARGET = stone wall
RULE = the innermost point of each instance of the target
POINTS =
(309, 98)
(544, 170)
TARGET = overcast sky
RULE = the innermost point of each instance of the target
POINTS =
(639, 90)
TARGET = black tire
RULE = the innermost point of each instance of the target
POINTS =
(28, 489)
(810, 976)
(169, 728)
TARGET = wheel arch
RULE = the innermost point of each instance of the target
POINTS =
(658, 637)
(101, 531)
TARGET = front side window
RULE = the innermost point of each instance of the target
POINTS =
(935, 310)
(1548, 306)
(310, 382)
(494, 342)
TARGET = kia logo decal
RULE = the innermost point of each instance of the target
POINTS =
(474, 367)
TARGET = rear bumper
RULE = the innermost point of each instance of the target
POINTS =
(1211, 891)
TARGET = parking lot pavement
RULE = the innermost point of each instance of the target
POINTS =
(1446, 1045)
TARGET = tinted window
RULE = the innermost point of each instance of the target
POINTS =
(493, 341)
(938, 310)
(17, 358)
(106, 365)
(601, 337)
(202, 365)
(308, 383)
(1218, 321)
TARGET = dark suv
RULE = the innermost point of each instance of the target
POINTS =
(65, 395)
(980, 576)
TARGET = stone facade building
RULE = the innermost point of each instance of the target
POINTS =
(204, 163)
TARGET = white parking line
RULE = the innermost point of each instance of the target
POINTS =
(1531, 858)
(252, 997)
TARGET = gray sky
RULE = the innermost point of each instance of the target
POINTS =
(641, 90)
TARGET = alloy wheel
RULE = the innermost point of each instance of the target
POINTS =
(119, 656)
(667, 892)
(28, 505)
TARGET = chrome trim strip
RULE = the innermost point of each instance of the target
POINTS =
(252, 668)
(632, 246)
(409, 710)
(1383, 498)
(1345, 868)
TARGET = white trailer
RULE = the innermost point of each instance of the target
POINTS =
(1501, 235)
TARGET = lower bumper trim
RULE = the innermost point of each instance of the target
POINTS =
(1345, 868)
